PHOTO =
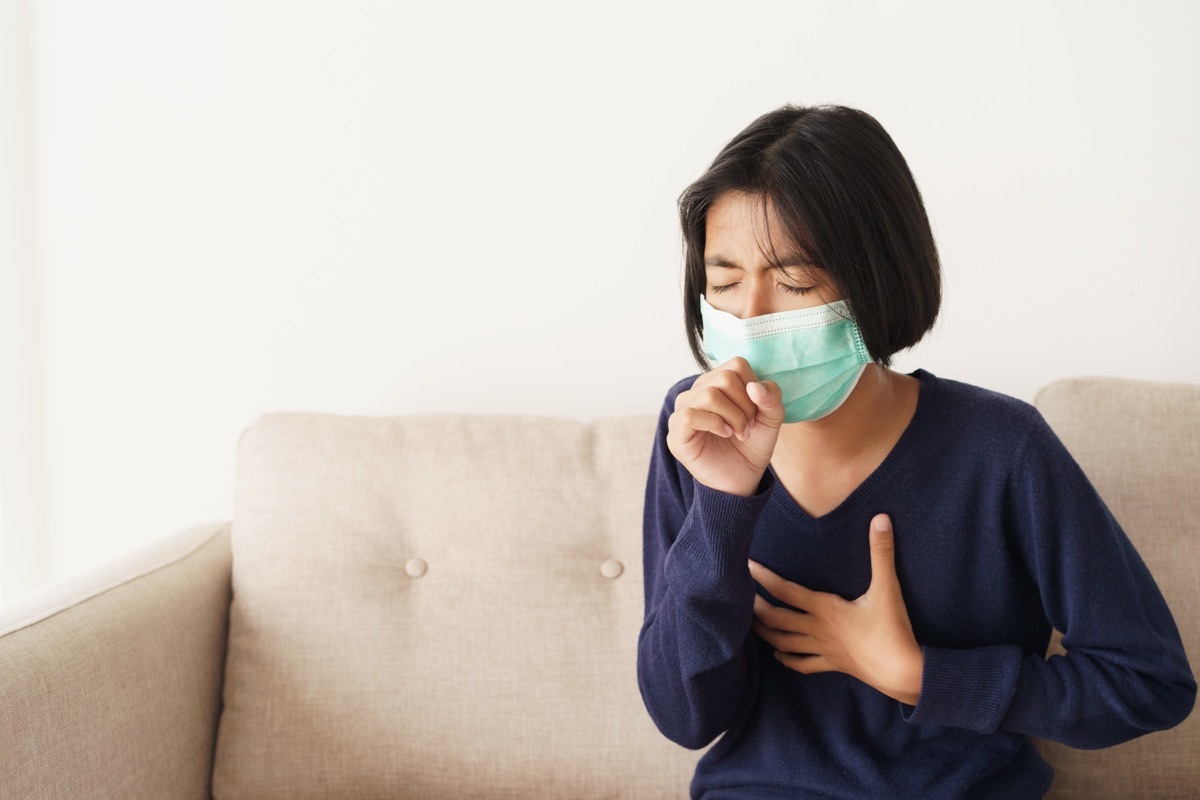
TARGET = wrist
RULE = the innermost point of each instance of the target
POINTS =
(908, 687)
(745, 487)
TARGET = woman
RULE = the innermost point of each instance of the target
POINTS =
(852, 573)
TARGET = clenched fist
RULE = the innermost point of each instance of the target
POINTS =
(724, 428)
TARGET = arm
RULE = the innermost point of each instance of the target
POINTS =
(112, 678)
(695, 664)
(1125, 672)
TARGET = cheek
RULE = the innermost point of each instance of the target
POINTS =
(828, 292)
(716, 301)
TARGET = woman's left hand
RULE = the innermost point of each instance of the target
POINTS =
(869, 638)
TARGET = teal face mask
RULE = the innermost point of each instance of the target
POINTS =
(816, 355)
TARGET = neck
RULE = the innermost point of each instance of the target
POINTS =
(881, 401)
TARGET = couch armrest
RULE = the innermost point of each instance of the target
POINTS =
(110, 682)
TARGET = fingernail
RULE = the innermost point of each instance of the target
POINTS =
(881, 522)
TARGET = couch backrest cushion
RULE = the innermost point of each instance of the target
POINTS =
(439, 606)
(1139, 443)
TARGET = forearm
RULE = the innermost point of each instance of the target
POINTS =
(694, 662)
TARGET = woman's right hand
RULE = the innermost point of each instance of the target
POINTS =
(724, 428)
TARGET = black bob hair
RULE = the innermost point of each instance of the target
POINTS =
(849, 202)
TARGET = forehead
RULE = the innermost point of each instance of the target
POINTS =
(742, 228)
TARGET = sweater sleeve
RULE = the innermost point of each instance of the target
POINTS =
(695, 663)
(1125, 672)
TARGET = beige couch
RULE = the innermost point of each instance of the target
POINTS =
(448, 606)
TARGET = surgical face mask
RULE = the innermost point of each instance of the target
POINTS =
(816, 355)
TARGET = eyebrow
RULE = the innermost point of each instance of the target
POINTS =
(788, 260)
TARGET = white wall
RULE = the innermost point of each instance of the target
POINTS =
(383, 208)
(22, 522)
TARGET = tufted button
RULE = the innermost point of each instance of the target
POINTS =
(611, 568)
(415, 567)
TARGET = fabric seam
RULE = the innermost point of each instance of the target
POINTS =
(95, 592)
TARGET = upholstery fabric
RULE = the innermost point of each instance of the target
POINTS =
(1139, 443)
(439, 606)
(111, 680)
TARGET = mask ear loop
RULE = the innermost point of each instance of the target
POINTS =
(860, 346)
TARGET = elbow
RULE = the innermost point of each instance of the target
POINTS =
(688, 729)
(1175, 695)
(1179, 700)
(1166, 704)
(697, 742)
(1174, 701)
(680, 726)
(673, 714)
(687, 733)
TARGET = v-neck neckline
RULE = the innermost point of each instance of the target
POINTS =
(878, 476)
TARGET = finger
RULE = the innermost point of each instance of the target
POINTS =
(689, 421)
(791, 593)
(730, 379)
(729, 399)
(768, 397)
(883, 552)
(808, 665)
(766, 633)
(740, 367)
(784, 619)
(785, 641)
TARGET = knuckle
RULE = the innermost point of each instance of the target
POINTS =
(681, 419)
(711, 393)
(719, 377)
(730, 379)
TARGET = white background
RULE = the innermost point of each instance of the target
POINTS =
(210, 210)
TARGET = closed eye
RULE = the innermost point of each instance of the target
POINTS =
(787, 287)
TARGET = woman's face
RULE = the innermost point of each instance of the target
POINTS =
(738, 277)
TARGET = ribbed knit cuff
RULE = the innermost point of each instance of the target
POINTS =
(722, 526)
(968, 689)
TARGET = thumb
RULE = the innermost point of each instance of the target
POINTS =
(883, 552)
(769, 398)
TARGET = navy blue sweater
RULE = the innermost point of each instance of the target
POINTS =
(999, 536)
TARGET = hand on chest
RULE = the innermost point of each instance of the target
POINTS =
(962, 581)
